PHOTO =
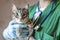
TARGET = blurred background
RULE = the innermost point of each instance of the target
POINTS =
(6, 12)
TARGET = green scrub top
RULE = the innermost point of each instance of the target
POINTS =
(51, 27)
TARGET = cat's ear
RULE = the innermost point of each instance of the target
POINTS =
(27, 6)
(14, 9)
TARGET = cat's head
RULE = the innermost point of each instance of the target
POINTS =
(21, 13)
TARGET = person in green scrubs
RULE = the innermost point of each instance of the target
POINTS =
(48, 14)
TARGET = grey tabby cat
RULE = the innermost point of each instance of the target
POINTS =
(22, 14)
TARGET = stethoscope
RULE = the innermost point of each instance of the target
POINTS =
(40, 23)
